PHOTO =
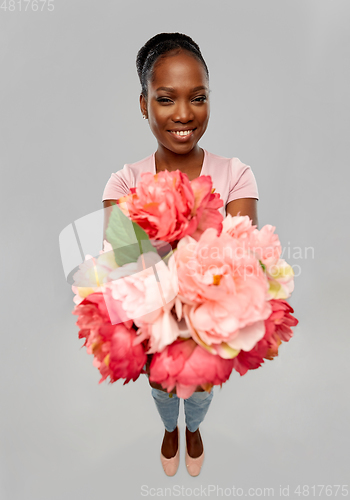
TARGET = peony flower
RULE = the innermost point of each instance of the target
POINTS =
(169, 326)
(162, 332)
(93, 311)
(141, 295)
(114, 308)
(147, 301)
(185, 365)
(277, 328)
(239, 227)
(206, 209)
(225, 292)
(167, 206)
(127, 356)
(281, 279)
(107, 342)
(279, 323)
(93, 273)
(266, 245)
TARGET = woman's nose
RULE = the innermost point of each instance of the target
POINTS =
(183, 112)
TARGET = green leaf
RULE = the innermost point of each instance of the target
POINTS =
(262, 265)
(127, 238)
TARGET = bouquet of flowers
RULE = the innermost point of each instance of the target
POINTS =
(182, 289)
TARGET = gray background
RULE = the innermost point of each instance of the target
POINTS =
(70, 117)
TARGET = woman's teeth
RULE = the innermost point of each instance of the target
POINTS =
(182, 132)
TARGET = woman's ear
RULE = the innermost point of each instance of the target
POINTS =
(143, 105)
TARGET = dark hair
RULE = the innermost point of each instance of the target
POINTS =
(158, 46)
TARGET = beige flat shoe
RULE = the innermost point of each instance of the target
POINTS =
(194, 465)
(170, 465)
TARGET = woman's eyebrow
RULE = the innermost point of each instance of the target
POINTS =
(171, 89)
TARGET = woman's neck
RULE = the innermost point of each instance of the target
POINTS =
(188, 163)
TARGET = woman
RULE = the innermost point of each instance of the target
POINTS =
(175, 100)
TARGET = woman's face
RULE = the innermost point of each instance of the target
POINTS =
(182, 105)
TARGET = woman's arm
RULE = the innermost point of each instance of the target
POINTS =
(247, 206)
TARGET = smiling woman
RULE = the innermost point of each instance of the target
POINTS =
(175, 100)
(176, 105)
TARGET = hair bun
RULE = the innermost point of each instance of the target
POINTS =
(158, 46)
(152, 43)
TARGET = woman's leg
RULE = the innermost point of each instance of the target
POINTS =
(168, 409)
(196, 407)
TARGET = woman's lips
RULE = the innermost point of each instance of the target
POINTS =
(181, 138)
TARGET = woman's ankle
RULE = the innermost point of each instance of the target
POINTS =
(170, 443)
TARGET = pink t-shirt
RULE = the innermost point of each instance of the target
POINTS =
(231, 178)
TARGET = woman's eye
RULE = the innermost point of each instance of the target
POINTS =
(197, 99)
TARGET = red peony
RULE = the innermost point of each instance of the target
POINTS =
(115, 354)
(168, 206)
(185, 364)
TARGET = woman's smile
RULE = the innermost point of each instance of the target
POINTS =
(182, 134)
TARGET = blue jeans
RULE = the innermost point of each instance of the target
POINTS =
(196, 407)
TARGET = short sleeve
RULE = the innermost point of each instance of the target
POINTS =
(243, 183)
(116, 186)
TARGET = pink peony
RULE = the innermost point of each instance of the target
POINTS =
(162, 332)
(141, 294)
(239, 227)
(225, 292)
(206, 209)
(266, 245)
(168, 206)
(186, 365)
(115, 311)
(277, 327)
(146, 301)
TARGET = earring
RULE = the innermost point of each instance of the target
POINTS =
(144, 117)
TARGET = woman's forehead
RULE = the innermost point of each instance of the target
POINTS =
(180, 69)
